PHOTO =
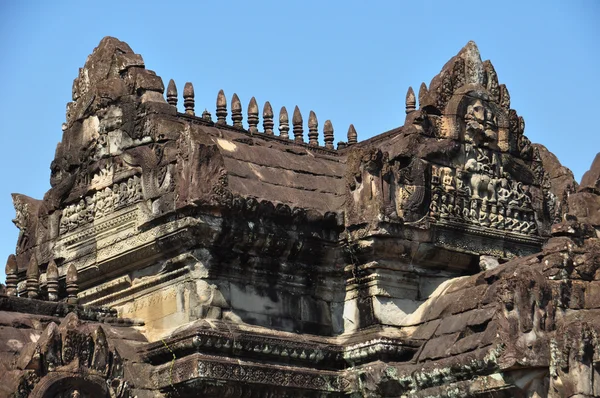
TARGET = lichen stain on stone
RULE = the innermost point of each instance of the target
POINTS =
(226, 145)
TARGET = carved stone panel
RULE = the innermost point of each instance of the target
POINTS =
(478, 192)
(100, 204)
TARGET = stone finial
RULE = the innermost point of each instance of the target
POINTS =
(328, 134)
(284, 123)
(474, 67)
(72, 287)
(268, 118)
(504, 97)
(11, 275)
(52, 281)
(521, 125)
(33, 278)
(422, 93)
(411, 101)
(313, 129)
(188, 98)
(172, 93)
(252, 116)
(221, 108)
(352, 136)
(206, 116)
(236, 112)
(297, 125)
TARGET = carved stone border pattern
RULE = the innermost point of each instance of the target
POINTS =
(193, 367)
(93, 232)
(277, 377)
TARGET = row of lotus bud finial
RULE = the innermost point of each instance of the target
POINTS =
(32, 280)
(267, 114)
(411, 99)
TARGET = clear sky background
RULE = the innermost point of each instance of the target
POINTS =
(349, 61)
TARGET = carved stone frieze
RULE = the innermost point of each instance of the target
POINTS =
(277, 377)
(479, 193)
(195, 367)
(102, 203)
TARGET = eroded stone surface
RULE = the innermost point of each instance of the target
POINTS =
(447, 257)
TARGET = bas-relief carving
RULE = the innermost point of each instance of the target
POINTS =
(477, 190)
(100, 204)
(365, 184)
(407, 187)
(481, 124)
(72, 360)
(22, 214)
(21, 221)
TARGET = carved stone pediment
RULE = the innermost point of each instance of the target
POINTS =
(460, 163)
(72, 360)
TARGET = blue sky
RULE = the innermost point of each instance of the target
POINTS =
(349, 61)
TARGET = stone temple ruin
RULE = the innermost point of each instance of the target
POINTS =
(176, 255)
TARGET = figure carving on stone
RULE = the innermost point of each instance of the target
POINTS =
(433, 206)
(518, 197)
(524, 223)
(554, 207)
(23, 221)
(500, 223)
(532, 225)
(503, 191)
(466, 209)
(372, 162)
(483, 159)
(518, 224)
(91, 208)
(447, 179)
(130, 190)
(444, 211)
(479, 180)
(483, 214)
(525, 148)
(435, 175)
(493, 216)
(124, 194)
(451, 206)
(509, 222)
(481, 124)
(100, 204)
(21, 215)
(461, 187)
(474, 213)
(116, 196)
(458, 209)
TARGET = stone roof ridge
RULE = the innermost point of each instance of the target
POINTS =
(317, 141)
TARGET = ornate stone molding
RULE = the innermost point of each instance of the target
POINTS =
(72, 360)
(197, 367)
